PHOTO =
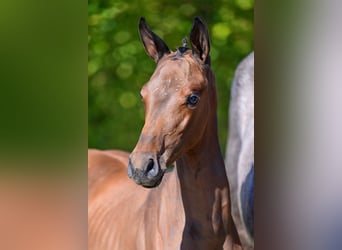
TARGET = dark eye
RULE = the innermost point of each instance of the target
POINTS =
(192, 100)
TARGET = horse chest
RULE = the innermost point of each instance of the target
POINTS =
(163, 223)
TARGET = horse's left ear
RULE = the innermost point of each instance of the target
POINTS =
(154, 46)
(199, 37)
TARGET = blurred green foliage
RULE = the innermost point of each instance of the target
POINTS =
(43, 91)
(118, 65)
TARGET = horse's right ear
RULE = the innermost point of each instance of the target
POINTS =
(153, 44)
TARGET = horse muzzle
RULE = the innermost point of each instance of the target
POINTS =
(144, 169)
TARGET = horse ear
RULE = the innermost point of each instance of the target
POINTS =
(200, 43)
(153, 44)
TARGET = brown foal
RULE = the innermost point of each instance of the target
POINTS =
(185, 207)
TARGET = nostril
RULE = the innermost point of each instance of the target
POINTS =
(149, 165)
(151, 169)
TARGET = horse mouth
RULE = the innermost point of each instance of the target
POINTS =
(154, 183)
(149, 183)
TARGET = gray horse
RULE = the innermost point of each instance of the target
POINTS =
(240, 150)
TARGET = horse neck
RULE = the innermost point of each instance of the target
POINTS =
(202, 168)
(204, 186)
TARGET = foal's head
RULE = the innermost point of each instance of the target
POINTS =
(179, 101)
